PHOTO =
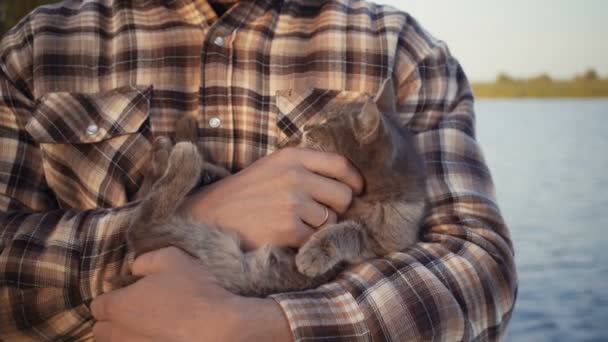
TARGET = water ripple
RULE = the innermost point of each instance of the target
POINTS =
(549, 162)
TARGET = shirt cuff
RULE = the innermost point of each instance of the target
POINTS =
(328, 313)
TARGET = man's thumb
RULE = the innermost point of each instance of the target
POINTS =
(162, 260)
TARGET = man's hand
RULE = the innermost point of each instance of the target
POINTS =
(280, 198)
(178, 301)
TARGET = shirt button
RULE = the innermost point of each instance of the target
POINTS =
(219, 41)
(215, 122)
(92, 129)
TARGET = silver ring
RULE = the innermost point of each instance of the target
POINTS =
(324, 219)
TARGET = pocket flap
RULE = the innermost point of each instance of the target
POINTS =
(299, 107)
(76, 118)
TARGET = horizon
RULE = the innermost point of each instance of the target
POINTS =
(522, 39)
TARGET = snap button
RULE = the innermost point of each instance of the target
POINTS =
(215, 122)
(219, 41)
(92, 129)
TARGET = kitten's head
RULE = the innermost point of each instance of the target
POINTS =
(351, 128)
(365, 131)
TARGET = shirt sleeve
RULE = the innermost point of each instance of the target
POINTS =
(459, 282)
(53, 262)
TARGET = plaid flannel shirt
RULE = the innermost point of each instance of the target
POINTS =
(85, 85)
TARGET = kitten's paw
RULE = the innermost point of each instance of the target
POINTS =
(185, 154)
(161, 149)
(162, 143)
(315, 258)
(182, 151)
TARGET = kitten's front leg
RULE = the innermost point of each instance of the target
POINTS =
(159, 159)
(344, 241)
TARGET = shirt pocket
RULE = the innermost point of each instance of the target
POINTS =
(299, 107)
(93, 146)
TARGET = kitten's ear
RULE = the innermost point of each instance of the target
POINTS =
(385, 98)
(369, 118)
(368, 122)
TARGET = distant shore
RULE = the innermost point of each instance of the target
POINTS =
(587, 85)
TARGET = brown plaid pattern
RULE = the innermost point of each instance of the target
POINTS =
(86, 85)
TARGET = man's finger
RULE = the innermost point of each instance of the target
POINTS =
(113, 332)
(334, 194)
(300, 234)
(332, 165)
(109, 306)
(99, 307)
(316, 214)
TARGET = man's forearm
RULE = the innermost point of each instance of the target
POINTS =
(263, 320)
(46, 244)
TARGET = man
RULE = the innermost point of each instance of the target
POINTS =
(85, 86)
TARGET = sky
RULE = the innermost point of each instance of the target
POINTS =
(522, 38)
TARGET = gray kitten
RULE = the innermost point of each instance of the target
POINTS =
(384, 219)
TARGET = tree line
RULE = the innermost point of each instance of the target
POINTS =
(589, 75)
(586, 84)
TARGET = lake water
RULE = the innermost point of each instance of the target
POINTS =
(549, 160)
